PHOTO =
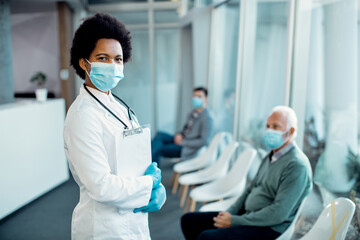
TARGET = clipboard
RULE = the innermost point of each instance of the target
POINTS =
(133, 152)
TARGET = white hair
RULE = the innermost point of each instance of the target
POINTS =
(291, 119)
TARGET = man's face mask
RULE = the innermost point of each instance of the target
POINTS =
(197, 102)
(105, 76)
(273, 139)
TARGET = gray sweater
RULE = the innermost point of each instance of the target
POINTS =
(276, 192)
(199, 134)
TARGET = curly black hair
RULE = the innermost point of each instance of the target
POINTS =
(90, 31)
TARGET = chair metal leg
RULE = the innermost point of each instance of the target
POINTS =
(176, 183)
(184, 195)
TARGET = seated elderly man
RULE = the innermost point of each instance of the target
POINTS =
(269, 203)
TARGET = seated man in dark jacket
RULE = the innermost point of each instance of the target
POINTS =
(270, 202)
(195, 134)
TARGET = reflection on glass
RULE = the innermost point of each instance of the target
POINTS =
(223, 65)
(166, 71)
(132, 18)
(202, 3)
(332, 93)
(191, 4)
(264, 76)
(113, 1)
(170, 16)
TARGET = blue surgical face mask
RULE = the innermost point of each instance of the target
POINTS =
(274, 138)
(105, 76)
(197, 102)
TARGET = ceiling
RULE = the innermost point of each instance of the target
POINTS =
(23, 6)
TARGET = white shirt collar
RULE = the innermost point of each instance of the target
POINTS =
(282, 152)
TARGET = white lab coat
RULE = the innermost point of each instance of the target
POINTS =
(107, 201)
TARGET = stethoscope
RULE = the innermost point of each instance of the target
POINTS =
(130, 111)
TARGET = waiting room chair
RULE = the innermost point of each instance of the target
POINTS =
(291, 229)
(219, 206)
(175, 160)
(232, 184)
(211, 173)
(333, 221)
(203, 160)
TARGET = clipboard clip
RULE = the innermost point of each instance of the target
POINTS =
(130, 132)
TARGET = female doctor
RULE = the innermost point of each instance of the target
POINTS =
(114, 200)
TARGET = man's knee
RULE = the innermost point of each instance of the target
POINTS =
(208, 235)
(156, 139)
(191, 220)
(162, 136)
(186, 219)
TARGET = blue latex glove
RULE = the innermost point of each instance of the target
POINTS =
(155, 173)
(158, 197)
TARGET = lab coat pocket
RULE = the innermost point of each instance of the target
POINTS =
(137, 224)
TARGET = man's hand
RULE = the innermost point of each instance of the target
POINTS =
(178, 138)
(222, 220)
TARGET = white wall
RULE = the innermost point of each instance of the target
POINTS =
(35, 47)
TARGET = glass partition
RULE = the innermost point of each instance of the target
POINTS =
(331, 103)
(136, 88)
(113, 1)
(170, 16)
(132, 18)
(263, 66)
(223, 65)
(166, 72)
(152, 96)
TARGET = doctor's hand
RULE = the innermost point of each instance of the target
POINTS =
(157, 199)
(155, 173)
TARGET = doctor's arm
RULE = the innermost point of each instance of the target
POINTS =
(86, 152)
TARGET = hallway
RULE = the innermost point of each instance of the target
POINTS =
(49, 217)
